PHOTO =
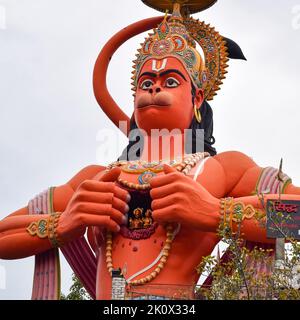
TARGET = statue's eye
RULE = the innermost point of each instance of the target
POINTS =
(172, 83)
(146, 84)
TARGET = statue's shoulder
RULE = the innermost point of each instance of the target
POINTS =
(235, 164)
(235, 159)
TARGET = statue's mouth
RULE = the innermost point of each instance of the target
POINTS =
(153, 106)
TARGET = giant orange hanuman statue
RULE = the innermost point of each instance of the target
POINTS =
(156, 216)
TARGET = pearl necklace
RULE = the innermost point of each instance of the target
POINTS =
(185, 167)
(161, 263)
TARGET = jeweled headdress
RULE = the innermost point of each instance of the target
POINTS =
(177, 36)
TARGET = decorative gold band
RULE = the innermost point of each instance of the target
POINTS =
(39, 228)
(46, 228)
(237, 212)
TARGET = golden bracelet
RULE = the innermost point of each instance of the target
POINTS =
(52, 229)
(226, 213)
(46, 228)
(237, 211)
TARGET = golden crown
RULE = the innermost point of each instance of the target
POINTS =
(177, 36)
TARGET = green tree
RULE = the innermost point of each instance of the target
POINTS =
(235, 280)
(77, 291)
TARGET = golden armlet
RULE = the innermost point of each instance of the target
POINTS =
(46, 228)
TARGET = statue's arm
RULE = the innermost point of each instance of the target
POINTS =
(241, 175)
(291, 189)
(15, 241)
(253, 229)
(177, 198)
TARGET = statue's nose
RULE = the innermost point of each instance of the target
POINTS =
(155, 89)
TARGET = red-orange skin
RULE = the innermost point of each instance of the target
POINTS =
(174, 110)
(92, 200)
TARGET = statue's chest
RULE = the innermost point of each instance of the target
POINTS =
(136, 177)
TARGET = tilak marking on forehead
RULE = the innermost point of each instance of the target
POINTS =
(159, 65)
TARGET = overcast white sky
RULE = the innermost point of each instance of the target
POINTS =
(49, 119)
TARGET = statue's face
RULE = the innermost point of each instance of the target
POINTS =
(137, 213)
(164, 96)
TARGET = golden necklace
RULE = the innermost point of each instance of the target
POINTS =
(188, 163)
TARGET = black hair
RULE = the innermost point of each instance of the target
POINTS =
(207, 124)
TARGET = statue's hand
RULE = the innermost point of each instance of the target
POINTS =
(178, 198)
(95, 203)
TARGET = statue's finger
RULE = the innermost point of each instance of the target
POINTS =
(162, 180)
(112, 175)
(100, 221)
(163, 191)
(167, 214)
(164, 202)
(168, 169)
(120, 205)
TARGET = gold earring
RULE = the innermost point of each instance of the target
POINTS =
(197, 114)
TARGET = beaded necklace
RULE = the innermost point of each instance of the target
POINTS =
(185, 167)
